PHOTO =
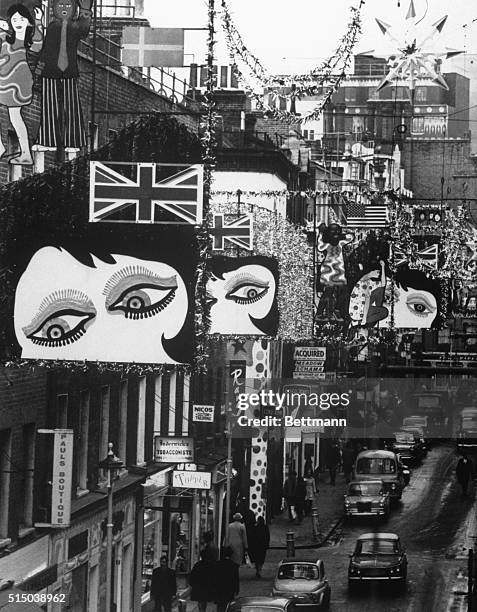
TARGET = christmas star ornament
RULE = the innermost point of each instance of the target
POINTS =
(415, 60)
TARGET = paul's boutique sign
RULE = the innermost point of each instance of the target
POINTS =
(61, 480)
(191, 480)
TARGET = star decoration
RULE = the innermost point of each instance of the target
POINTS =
(239, 346)
(414, 59)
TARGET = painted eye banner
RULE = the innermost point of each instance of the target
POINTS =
(114, 296)
(242, 293)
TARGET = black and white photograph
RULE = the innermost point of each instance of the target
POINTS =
(238, 306)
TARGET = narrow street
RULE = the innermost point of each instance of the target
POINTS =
(431, 521)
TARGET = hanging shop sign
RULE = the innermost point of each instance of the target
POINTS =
(203, 413)
(146, 193)
(309, 361)
(191, 480)
(236, 231)
(173, 450)
(61, 480)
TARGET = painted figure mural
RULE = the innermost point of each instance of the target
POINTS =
(61, 121)
(21, 32)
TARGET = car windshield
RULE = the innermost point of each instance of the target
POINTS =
(260, 608)
(376, 465)
(305, 571)
(377, 547)
(365, 489)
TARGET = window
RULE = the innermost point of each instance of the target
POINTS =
(93, 130)
(5, 468)
(104, 427)
(38, 161)
(368, 465)
(421, 94)
(25, 511)
(123, 419)
(418, 125)
(305, 134)
(312, 134)
(62, 411)
(141, 421)
(350, 94)
(387, 128)
(377, 547)
(295, 571)
(82, 462)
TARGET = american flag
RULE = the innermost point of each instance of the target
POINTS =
(359, 214)
(145, 193)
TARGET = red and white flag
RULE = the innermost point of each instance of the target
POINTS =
(154, 47)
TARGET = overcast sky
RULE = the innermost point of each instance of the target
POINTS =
(294, 35)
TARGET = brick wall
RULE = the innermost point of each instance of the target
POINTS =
(114, 93)
(427, 161)
(23, 396)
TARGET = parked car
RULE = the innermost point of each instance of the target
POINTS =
(381, 465)
(419, 438)
(367, 498)
(408, 449)
(377, 557)
(305, 582)
(261, 604)
(467, 430)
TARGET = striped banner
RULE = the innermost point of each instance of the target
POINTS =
(366, 215)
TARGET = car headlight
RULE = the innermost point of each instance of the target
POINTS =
(381, 502)
(393, 486)
(347, 503)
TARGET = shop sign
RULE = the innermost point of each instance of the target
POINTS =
(61, 481)
(173, 450)
(203, 413)
(191, 480)
(310, 352)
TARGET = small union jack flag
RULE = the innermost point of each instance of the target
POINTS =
(146, 193)
(428, 256)
(238, 232)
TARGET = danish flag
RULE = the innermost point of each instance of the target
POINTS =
(238, 232)
(146, 193)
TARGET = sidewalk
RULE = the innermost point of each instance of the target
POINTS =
(329, 503)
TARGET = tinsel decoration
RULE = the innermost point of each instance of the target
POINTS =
(329, 75)
(202, 318)
(277, 237)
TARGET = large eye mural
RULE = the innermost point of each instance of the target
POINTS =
(242, 293)
(408, 299)
(123, 309)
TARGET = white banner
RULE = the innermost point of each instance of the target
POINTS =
(191, 480)
(62, 476)
(203, 413)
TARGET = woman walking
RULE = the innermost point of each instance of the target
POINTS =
(311, 491)
(260, 544)
(201, 582)
(22, 32)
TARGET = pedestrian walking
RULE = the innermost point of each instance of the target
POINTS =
(236, 539)
(289, 488)
(348, 461)
(226, 579)
(163, 586)
(300, 497)
(259, 543)
(210, 550)
(201, 581)
(333, 460)
(311, 491)
(464, 472)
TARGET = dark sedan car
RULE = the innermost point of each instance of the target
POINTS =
(261, 604)
(366, 499)
(377, 557)
(305, 582)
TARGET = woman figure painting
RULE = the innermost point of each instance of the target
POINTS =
(20, 33)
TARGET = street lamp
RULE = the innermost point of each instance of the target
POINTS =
(111, 465)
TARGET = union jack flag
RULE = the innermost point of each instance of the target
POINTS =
(428, 256)
(146, 193)
(238, 232)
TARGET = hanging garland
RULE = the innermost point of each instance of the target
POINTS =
(302, 85)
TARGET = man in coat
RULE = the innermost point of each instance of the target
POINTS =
(289, 491)
(236, 539)
(464, 472)
(226, 580)
(163, 586)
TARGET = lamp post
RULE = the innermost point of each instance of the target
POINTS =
(111, 464)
